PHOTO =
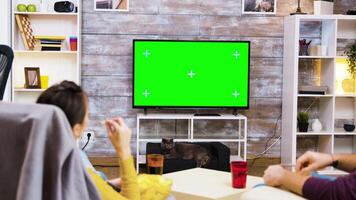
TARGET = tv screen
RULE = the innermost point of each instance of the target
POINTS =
(191, 74)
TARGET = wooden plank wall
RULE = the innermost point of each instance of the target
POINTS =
(107, 57)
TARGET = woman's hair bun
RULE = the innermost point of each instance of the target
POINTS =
(69, 86)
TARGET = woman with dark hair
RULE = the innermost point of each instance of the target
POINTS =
(69, 97)
(74, 102)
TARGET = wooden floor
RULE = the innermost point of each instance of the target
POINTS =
(110, 165)
(257, 167)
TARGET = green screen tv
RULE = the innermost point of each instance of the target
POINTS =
(190, 74)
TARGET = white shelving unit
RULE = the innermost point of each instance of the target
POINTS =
(336, 104)
(240, 138)
(57, 65)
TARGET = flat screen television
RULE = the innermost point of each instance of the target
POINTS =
(190, 74)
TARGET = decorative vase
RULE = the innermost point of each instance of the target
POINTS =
(304, 50)
(323, 7)
(44, 5)
(318, 50)
(304, 47)
(303, 127)
(316, 125)
(348, 85)
(349, 127)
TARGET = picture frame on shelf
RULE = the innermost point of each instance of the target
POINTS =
(32, 78)
(112, 5)
(259, 7)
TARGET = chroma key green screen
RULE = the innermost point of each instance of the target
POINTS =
(191, 74)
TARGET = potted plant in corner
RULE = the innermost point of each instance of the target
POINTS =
(351, 60)
(349, 85)
(303, 121)
(323, 7)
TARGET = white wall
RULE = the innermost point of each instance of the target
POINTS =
(5, 34)
(5, 21)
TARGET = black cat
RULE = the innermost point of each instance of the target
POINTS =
(170, 149)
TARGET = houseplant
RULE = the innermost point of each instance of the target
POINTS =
(303, 121)
(351, 60)
(323, 7)
(349, 84)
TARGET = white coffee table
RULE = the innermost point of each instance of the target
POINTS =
(206, 184)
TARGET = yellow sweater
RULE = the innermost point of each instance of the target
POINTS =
(129, 185)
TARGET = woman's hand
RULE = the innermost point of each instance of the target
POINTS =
(274, 175)
(311, 161)
(115, 182)
(120, 136)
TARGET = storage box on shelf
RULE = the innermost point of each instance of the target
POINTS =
(57, 65)
(337, 106)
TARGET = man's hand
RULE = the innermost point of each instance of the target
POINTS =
(277, 176)
(311, 161)
(274, 175)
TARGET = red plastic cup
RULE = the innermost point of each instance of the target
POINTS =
(73, 43)
(238, 173)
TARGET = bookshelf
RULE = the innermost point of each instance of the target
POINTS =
(57, 65)
(333, 109)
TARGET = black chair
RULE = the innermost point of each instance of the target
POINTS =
(220, 160)
(6, 58)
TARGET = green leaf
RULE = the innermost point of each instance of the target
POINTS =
(303, 117)
(351, 60)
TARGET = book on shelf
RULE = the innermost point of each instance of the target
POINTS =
(46, 37)
(50, 47)
(50, 43)
(310, 89)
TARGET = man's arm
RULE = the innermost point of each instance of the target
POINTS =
(294, 182)
(277, 176)
(343, 188)
(346, 162)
